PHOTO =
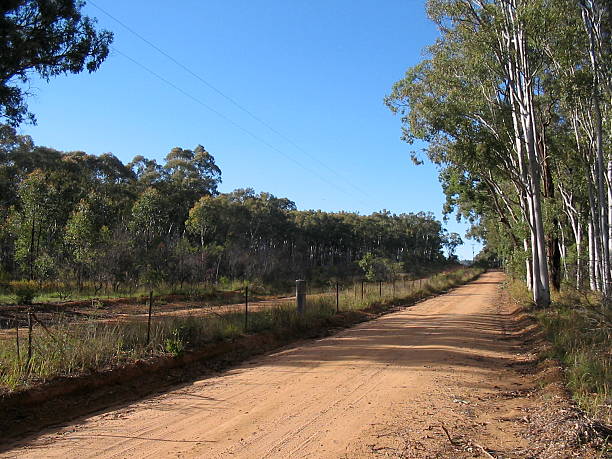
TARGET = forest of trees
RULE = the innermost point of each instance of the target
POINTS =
(515, 100)
(93, 220)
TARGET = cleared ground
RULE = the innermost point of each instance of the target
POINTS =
(389, 387)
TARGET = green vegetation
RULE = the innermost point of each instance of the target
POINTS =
(515, 101)
(76, 225)
(77, 348)
(581, 337)
(24, 293)
(225, 291)
(579, 330)
(47, 38)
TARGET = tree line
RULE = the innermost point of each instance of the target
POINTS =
(94, 220)
(515, 102)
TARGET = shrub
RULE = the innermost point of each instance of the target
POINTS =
(175, 344)
(24, 294)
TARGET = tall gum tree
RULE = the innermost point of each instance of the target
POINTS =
(508, 96)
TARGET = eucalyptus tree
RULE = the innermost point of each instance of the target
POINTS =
(48, 38)
(187, 176)
(451, 242)
(210, 222)
(85, 233)
(515, 101)
(597, 18)
(149, 226)
(147, 172)
(35, 224)
(193, 170)
(457, 100)
(578, 79)
(484, 101)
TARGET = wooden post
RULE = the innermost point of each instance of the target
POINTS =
(300, 295)
(246, 307)
(29, 338)
(149, 321)
(379, 288)
(337, 298)
(17, 341)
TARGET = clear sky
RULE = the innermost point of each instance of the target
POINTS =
(314, 71)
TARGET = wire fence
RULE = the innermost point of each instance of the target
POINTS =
(45, 340)
(142, 308)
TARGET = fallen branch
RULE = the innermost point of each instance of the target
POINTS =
(453, 442)
(460, 444)
(486, 453)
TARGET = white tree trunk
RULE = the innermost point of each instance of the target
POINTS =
(578, 237)
(522, 85)
(610, 207)
(563, 250)
(592, 14)
(592, 277)
(528, 276)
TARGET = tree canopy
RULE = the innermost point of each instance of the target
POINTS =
(514, 100)
(48, 38)
(92, 219)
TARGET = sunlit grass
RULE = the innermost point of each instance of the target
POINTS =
(581, 339)
(579, 327)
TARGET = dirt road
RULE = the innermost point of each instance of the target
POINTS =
(388, 387)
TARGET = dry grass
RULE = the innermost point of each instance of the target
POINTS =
(578, 326)
(71, 349)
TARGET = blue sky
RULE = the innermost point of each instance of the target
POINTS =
(315, 71)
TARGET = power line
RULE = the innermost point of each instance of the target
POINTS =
(229, 120)
(228, 98)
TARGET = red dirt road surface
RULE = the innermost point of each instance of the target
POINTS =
(427, 381)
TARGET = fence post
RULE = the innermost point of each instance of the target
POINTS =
(149, 321)
(246, 307)
(300, 295)
(379, 288)
(17, 340)
(29, 338)
(337, 298)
